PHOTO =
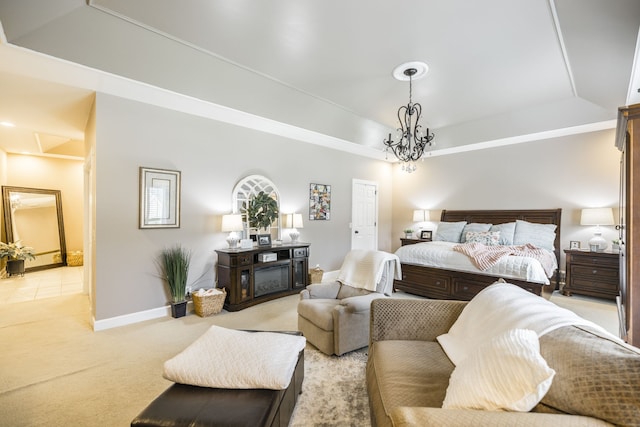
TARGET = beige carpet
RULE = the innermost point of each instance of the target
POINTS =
(55, 371)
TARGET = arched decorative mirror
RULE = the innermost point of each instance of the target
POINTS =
(33, 217)
(246, 189)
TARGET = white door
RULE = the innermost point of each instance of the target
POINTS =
(364, 215)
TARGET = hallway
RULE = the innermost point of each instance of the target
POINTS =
(41, 284)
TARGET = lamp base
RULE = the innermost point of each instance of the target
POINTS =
(294, 236)
(232, 241)
(597, 243)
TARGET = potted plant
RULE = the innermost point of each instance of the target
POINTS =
(408, 233)
(261, 210)
(174, 265)
(16, 254)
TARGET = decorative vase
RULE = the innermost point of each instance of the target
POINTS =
(15, 266)
(178, 309)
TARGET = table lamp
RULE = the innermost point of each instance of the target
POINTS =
(232, 223)
(293, 221)
(597, 217)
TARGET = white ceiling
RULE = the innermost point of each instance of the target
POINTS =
(498, 68)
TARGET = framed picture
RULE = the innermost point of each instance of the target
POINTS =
(574, 244)
(425, 234)
(159, 198)
(264, 240)
(319, 202)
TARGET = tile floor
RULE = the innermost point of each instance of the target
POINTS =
(41, 284)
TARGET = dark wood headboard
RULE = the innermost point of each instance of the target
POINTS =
(540, 216)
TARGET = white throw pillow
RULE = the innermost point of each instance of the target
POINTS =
(227, 358)
(506, 374)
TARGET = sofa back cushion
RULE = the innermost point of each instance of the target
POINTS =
(595, 376)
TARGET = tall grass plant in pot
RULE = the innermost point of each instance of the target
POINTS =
(174, 264)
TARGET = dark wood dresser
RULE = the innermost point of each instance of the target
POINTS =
(595, 274)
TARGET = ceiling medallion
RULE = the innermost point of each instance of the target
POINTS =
(412, 138)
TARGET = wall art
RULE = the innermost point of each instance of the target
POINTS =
(159, 198)
(319, 202)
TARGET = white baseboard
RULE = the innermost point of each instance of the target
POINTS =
(128, 319)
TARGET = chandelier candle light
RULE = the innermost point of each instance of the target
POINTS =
(412, 138)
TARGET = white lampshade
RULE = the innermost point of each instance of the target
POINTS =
(421, 215)
(597, 217)
(293, 221)
(232, 223)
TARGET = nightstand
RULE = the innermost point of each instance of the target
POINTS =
(405, 241)
(596, 274)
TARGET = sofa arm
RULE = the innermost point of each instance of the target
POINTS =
(412, 319)
(422, 416)
(360, 303)
(328, 290)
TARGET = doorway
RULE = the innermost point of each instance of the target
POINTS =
(364, 215)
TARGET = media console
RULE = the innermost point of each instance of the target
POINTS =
(249, 281)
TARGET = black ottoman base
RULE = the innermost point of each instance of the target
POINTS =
(186, 405)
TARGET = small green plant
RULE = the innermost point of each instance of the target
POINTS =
(174, 264)
(15, 250)
(408, 230)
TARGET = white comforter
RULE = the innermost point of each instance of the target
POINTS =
(442, 255)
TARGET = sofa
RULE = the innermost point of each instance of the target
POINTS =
(542, 367)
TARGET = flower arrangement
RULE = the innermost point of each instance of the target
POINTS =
(15, 250)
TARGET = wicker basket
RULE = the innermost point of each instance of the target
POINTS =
(315, 275)
(74, 259)
(208, 305)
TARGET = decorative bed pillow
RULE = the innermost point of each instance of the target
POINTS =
(449, 231)
(473, 227)
(488, 238)
(506, 374)
(506, 232)
(227, 358)
(540, 235)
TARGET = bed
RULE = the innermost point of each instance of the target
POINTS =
(463, 284)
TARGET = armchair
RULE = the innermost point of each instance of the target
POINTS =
(334, 317)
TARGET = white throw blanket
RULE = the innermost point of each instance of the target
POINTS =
(502, 307)
(363, 268)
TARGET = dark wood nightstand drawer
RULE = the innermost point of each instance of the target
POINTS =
(580, 284)
(595, 273)
(591, 259)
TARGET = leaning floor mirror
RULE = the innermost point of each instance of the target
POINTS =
(33, 216)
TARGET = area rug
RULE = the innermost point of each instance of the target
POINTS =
(334, 391)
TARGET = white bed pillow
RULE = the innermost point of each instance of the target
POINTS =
(506, 230)
(227, 358)
(449, 231)
(473, 227)
(506, 374)
(540, 235)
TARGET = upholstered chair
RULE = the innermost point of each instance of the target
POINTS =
(334, 317)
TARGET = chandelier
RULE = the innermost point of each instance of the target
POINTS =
(412, 138)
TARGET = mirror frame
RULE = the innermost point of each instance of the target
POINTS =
(8, 220)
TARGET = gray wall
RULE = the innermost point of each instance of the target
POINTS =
(212, 157)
